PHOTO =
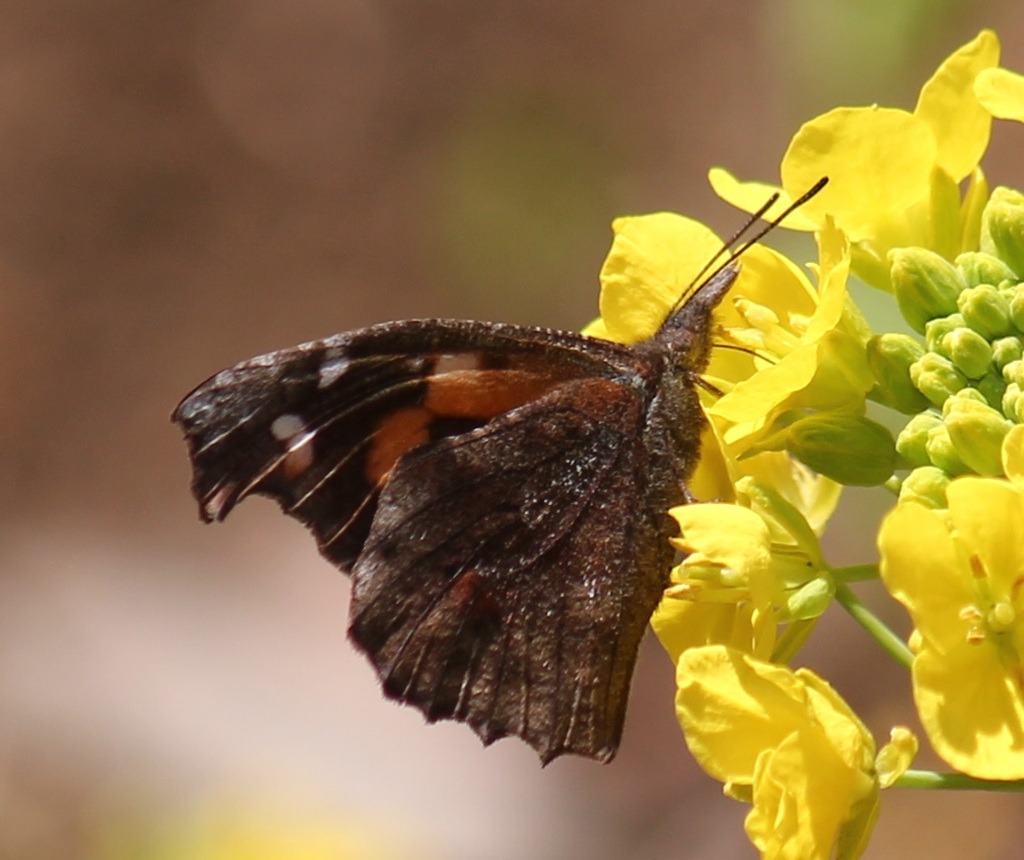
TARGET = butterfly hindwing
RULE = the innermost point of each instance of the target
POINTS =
(507, 583)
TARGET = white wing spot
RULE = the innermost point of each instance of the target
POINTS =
(291, 431)
(214, 506)
(286, 427)
(332, 369)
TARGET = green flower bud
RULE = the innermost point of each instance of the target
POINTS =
(976, 268)
(935, 330)
(1002, 227)
(970, 394)
(968, 350)
(942, 452)
(926, 285)
(1005, 350)
(1014, 372)
(1017, 309)
(926, 486)
(977, 432)
(810, 600)
(936, 377)
(986, 311)
(849, 449)
(1012, 403)
(991, 387)
(890, 357)
(913, 439)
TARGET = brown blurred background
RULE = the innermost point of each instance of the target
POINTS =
(185, 184)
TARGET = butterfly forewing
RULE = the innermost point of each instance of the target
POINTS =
(318, 427)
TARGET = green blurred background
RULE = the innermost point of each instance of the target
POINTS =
(183, 185)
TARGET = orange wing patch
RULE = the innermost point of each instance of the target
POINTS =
(483, 393)
(473, 394)
(397, 433)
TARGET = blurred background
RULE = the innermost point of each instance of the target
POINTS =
(183, 185)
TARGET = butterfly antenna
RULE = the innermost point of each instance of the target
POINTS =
(733, 250)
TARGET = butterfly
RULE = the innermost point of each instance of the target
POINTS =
(498, 494)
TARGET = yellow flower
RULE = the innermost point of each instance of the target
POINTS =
(721, 593)
(893, 175)
(731, 590)
(959, 574)
(750, 566)
(786, 742)
(810, 344)
(815, 340)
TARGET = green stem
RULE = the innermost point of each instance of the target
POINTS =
(854, 573)
(892, 643)
(792, 639)
(954, 782)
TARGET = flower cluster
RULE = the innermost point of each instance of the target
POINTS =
(969, 368)
(908, 210)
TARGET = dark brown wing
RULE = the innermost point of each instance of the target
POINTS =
(511, 571)
(488, 487)
(319, 426)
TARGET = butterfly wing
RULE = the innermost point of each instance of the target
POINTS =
(482, 485)
(509, 575)
(318, 427)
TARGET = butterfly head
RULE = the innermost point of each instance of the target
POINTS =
(686, 332)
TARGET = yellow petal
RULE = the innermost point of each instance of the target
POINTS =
(1013, 454)
(684, 624)
(596, 328)
(949, 105)
(987, 514)
(712, 479)
(652, 262)
(731, 708)
(803, 794)
(924, 570)
(942, 228)
(1002, 93)
(814, 497)
(752, 404)
(846, 733)
(971, 708)
(773, 281)
(726, 535)
(878, 161)
(830, 374)
(843, 376)
(833, 271)
(751, 196)
(971, 210)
